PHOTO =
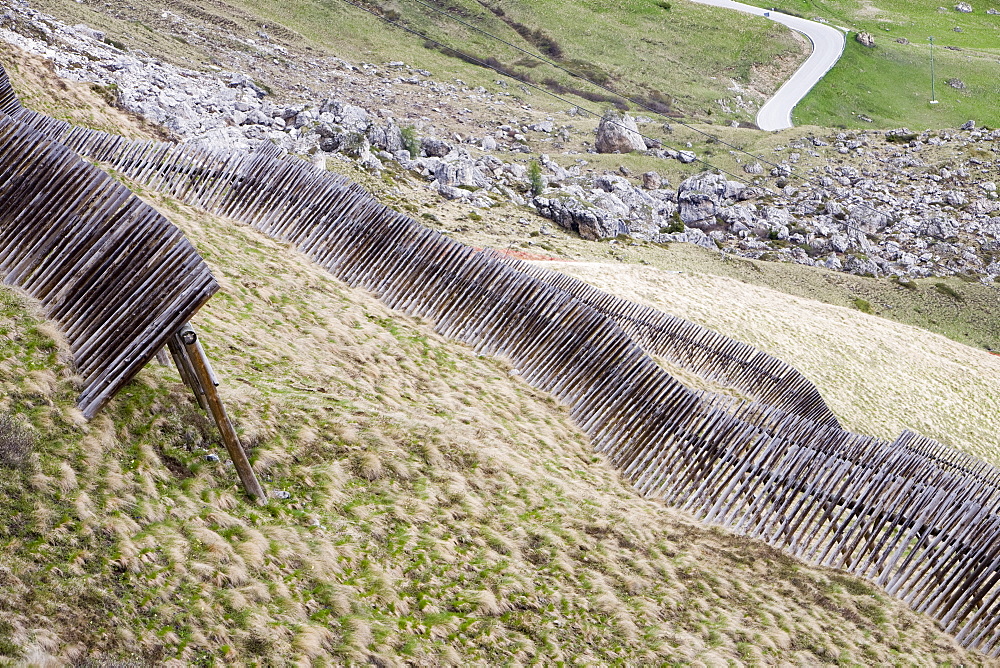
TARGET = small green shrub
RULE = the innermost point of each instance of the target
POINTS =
(7, 646)
(109, 93)
(863, 305)
(410, 141)
(118, 45)
(948, 291)
(535, 178)
(675, 227)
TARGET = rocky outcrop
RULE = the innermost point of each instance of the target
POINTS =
(700, 198)
(618, 133)
(582, 217)
(865, 39)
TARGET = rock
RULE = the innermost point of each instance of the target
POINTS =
(700, 197)
(86, 31)
(651, 181)
(751, 192)
(832, 262)
(956, 198)
(460, 173)
(968, 125)
(618, 133)
(956, 83)
(388, 138)
(739, 216)
(940, 227)
(489, 143)
(257, 117)
(753, 168)
(871, 220)
(777, 220)
(687, 157)
(690, 236)
(865, 39)
(451, 192)
(352, 144)
(964, 8)
(860, 266)
(902, 40)
(839, 242)
(353, 118)
(993, 12)
(435, 148)
(588, 221)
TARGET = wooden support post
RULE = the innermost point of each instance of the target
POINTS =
(186, 369)
(205, 377)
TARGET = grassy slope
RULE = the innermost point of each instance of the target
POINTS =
(440, 511)
(688, 52)
(878, 377)
(891, 83)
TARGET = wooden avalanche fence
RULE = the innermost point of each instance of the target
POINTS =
(708, 353)
(918, 518)
(115, 275)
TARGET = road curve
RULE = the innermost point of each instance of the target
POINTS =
(828, 45)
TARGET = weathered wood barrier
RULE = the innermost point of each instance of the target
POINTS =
(691, 346)
(9, 103)
(915, 517)
(118, 278)
(113, 273)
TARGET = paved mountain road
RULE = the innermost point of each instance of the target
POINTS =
(828, 45)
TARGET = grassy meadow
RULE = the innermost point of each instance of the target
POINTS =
(891, 83)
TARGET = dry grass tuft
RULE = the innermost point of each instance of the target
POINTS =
(16, 442)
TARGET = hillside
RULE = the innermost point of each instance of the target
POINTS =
(890, 85)
(670, 47)
(428, 507)
(879, 377)
(439, 511)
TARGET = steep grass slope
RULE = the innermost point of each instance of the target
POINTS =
(439, 511)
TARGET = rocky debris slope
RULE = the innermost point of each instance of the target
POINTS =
(883, 203)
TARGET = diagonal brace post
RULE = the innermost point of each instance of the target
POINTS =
(197, 372)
